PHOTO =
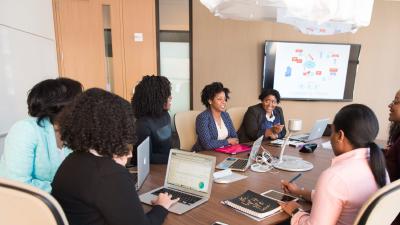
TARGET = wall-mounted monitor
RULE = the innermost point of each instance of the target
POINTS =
(311, 71)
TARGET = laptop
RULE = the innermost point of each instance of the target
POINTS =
(239, 164)
(189, 177)
(142, 170)
(316, 132)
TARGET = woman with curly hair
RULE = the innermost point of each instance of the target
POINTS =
(392, 152)
(92, 184)
(32, 149)
(265, 118)
(214, 127)
(151, 102)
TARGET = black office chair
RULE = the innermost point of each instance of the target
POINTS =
(382, 207)
(24, 204)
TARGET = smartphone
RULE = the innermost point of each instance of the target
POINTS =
(279, 196)
(219, 223)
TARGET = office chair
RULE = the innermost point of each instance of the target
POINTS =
(237, 114)
(185, 124)
(24, 204)
(382, 207)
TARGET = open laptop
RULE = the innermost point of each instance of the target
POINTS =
(316, 132)
(142, 170)
(189, 177)
(239, 164)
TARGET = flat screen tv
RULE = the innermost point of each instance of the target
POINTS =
(311, 71)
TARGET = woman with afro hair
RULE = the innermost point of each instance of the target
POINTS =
(214, 127)
(151, 102)
(92, 184)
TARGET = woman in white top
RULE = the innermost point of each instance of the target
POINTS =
(214, 127)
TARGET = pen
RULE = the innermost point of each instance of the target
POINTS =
(295, 178)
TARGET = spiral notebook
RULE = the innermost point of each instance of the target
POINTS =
(254, 204)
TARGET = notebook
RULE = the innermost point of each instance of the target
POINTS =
(254, 204)
(233, 149)
(189, 176)
(142, 169)
(239, 164)
(316, 132)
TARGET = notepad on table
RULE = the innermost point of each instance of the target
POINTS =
(254, 204)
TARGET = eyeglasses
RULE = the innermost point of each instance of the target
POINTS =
(395, 102)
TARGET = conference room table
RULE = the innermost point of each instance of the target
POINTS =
(213, 210)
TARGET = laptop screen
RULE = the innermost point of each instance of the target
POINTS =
(189, 171)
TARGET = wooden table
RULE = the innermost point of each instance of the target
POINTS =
(213, 210)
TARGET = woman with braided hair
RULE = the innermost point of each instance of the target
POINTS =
(151, 102)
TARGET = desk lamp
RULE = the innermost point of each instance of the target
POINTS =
(292, 163)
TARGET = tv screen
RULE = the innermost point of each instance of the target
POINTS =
(311, 71)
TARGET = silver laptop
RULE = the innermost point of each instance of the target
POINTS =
(189, 177)
(142, 170)
(316, 132)
(239, 164)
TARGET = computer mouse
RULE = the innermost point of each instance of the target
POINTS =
(308, 148)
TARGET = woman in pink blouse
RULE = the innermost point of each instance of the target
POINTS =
(357, 171)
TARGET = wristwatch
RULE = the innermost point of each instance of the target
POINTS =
(296, 210)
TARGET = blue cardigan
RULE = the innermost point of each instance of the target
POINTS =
(207, 133)
(31, 154)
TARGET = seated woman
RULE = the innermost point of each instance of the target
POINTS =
(265, 118)
(357, 171)
(392, 152)
(92, 184)
(32, 151)
(214, 127)
(151, 102)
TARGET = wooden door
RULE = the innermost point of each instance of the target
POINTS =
(80, 34)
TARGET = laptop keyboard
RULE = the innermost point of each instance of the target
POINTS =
(301, 137)
(183, 197)
(239, 164)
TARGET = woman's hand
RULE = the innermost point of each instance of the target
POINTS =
(164, 200)
(233, 141)
(289, 207)
(290, 188)
(277, 128)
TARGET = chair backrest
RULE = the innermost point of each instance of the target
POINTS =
(382, 207)
(24, 204)
(185, 124)
(237, 114)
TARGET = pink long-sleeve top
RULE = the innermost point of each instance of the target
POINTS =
(341, 191)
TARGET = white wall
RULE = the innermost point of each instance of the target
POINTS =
(27, 55)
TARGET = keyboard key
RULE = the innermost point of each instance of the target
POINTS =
(239, 164)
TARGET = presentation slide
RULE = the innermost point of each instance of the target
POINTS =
(311, 70)
(190, 172)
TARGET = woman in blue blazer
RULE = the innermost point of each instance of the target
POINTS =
(214, 127)
(32, 152)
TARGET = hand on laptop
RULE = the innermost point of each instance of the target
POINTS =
(164, 200)
(233, 141)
